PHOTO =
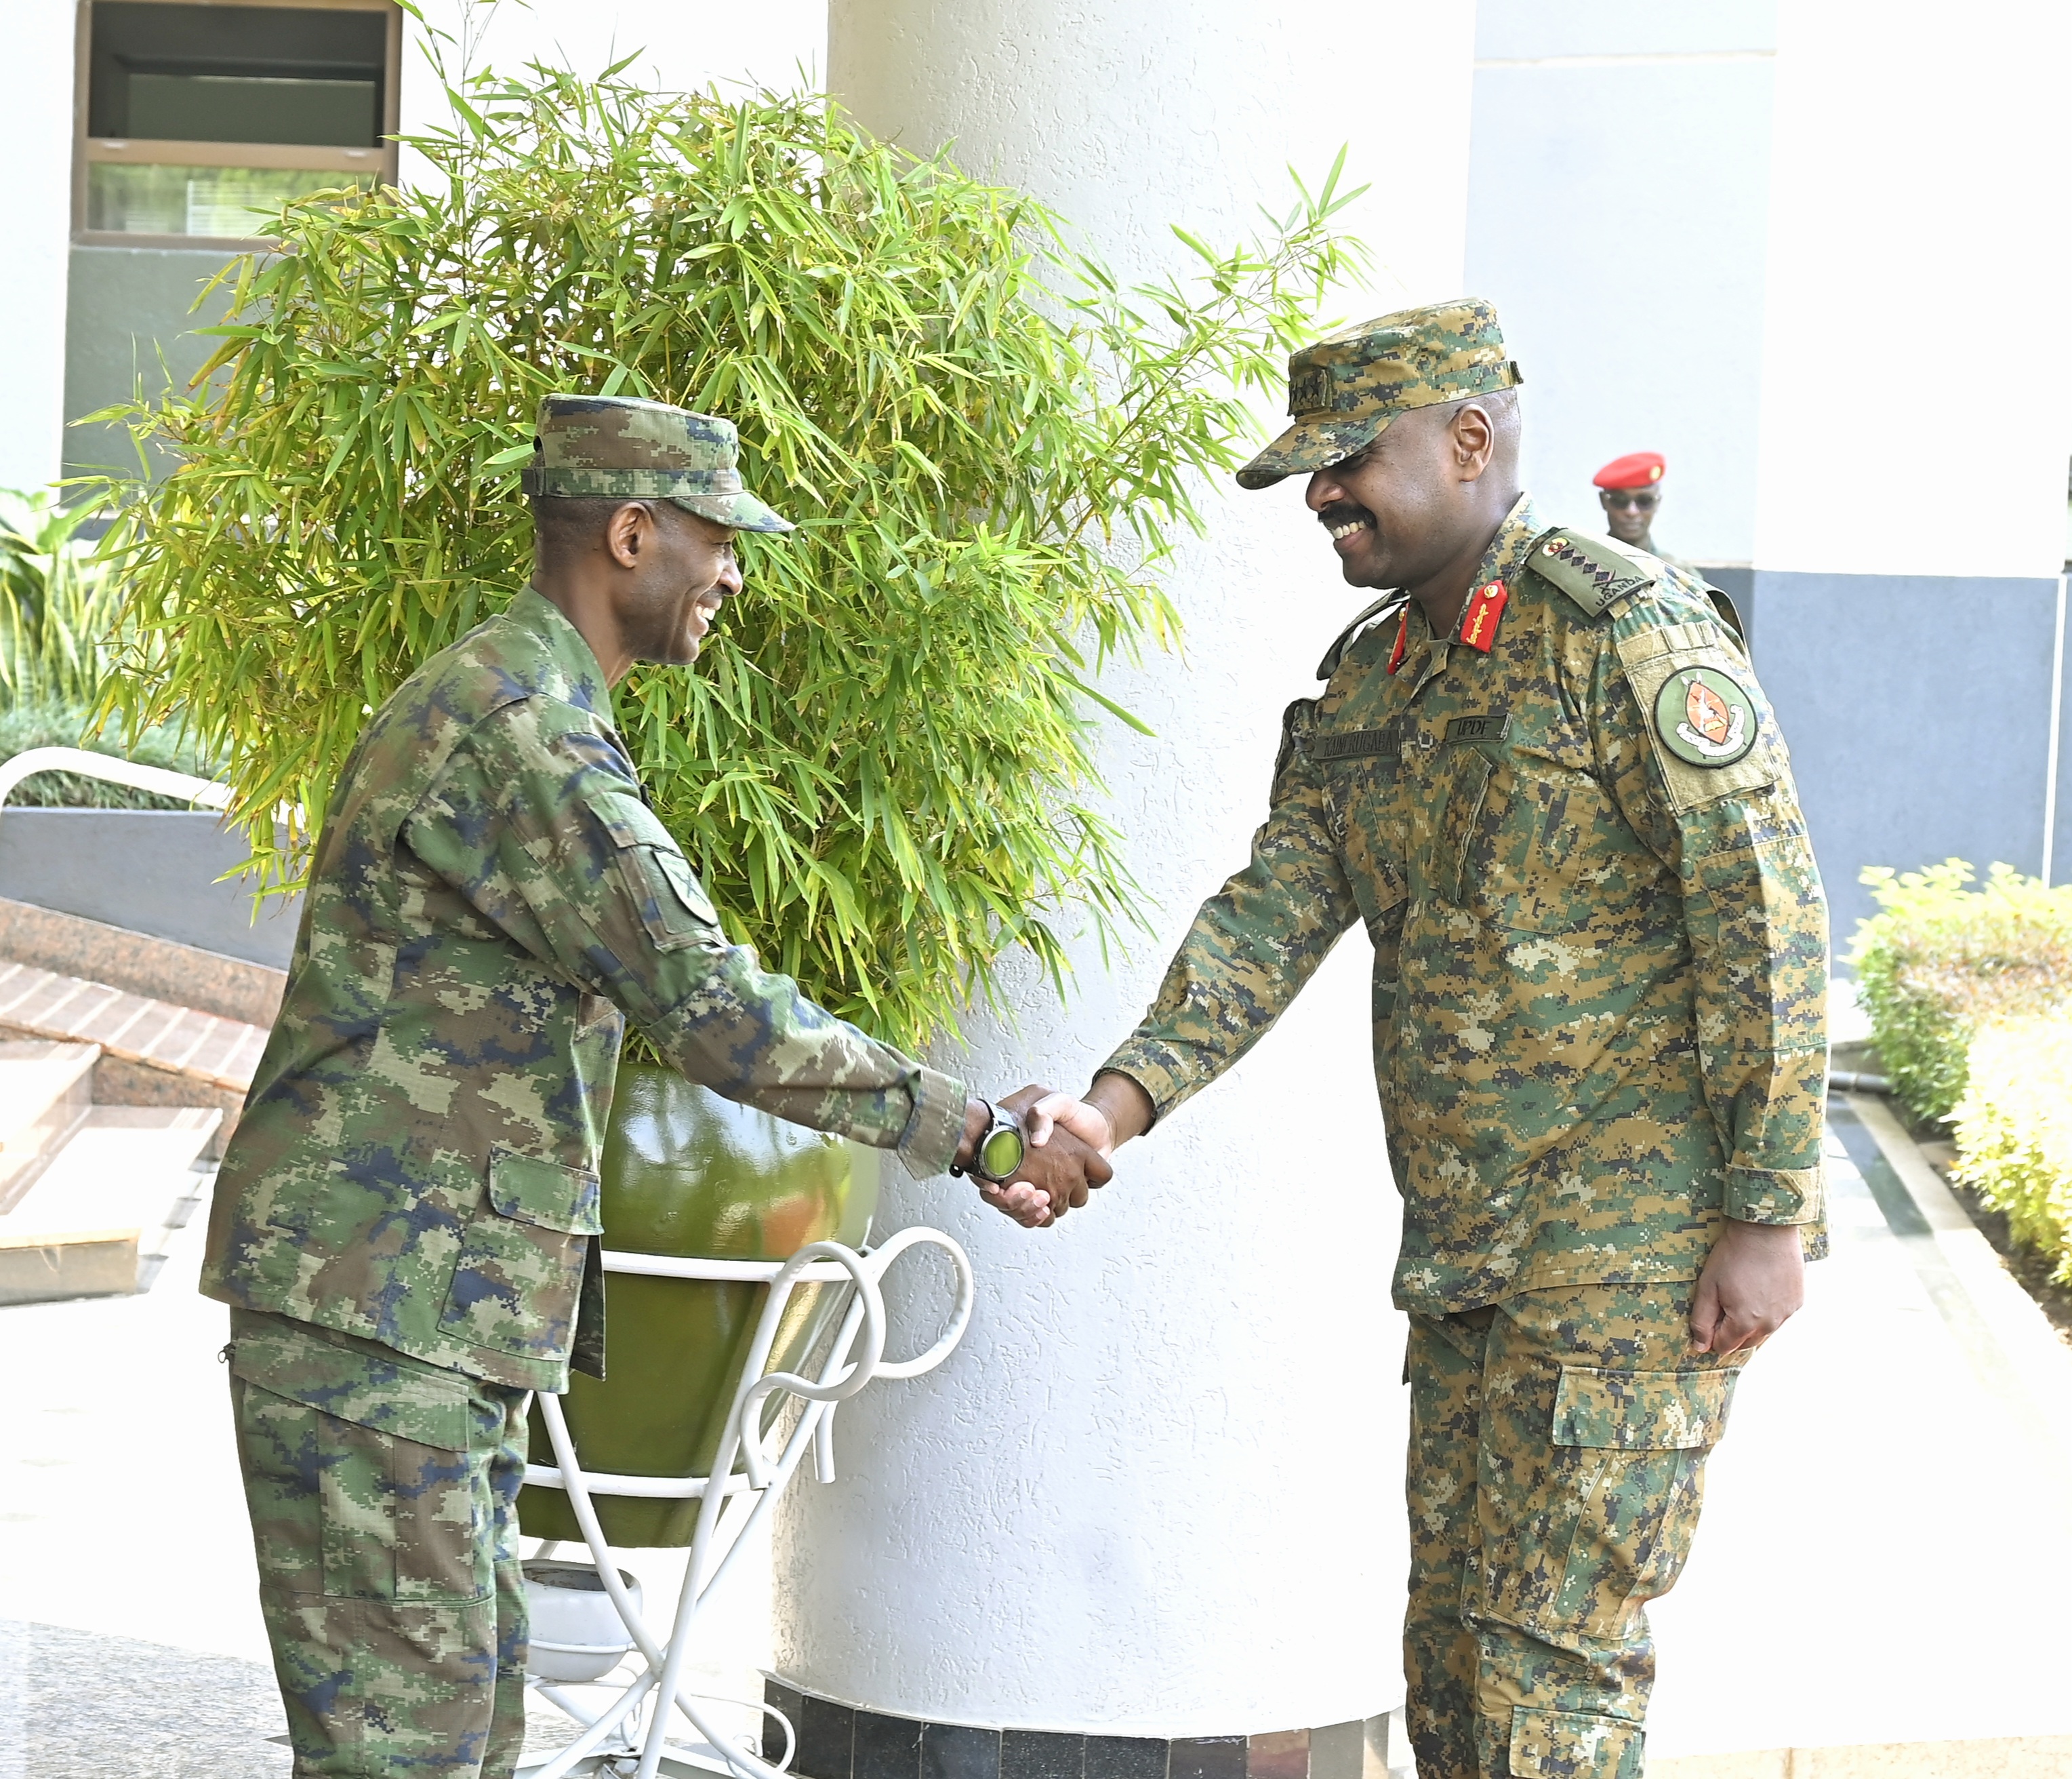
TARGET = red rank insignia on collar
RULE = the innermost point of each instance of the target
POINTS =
(1484, 611)
(1402, 640)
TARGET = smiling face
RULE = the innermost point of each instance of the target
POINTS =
(684, 568)
(1400, 512)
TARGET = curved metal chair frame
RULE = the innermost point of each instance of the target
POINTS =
(633, 1726)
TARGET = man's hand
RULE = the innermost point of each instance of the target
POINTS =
(1754, 1282)
(1057, 1170)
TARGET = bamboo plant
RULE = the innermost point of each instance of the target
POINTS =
(882, 768)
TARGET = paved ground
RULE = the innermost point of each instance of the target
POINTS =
(1887, 1549)
(1886, 1555)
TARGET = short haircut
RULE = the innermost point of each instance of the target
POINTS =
(563, 522)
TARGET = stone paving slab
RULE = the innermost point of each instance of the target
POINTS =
(1887, 1545)
(76, 1704)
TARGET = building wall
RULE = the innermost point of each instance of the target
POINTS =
(1618, 207)
(1839, 321)
(129, 329)
(35, 215)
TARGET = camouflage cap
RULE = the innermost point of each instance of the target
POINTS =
(600, 446)
(1343, 391)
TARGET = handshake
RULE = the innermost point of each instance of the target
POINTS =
(1065, 1144)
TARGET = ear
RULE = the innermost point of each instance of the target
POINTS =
(628, 532)
(1473, 437)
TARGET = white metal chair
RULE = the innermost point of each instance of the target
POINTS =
(629, 1735)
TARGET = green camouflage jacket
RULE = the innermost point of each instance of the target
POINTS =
(416, 1163)
(1600, 940)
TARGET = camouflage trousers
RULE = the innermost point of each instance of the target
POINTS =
(1558, 1443)
(382, 1493)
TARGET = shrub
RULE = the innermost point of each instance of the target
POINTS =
(2014, 1131)
(57, 603)
(881, 767)
(1938, 963)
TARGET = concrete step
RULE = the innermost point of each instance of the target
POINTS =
(100, 1216)
(46, 1092)
(154, 1053)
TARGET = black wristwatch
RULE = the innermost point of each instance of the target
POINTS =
(999, 1149)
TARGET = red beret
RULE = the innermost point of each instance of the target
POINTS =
(1636, 469)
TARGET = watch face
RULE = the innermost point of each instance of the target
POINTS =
(1000, 1154)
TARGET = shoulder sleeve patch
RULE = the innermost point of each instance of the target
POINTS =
(1592, 573)
(1705, 719)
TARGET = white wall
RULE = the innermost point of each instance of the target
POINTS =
(1616, 216)
(1917, 397)
(1159, 1489)
(36, 221)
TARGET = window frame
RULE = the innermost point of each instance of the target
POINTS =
(87, 150)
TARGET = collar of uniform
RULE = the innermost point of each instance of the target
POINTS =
(566, 655)
(1505, 553)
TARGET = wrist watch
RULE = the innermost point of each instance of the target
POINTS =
(998, 1152)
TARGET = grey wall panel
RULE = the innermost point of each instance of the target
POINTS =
(1918, 711)
(151, 871)
(127, 326)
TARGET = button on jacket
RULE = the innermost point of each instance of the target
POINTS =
(1600, 967)
(417, 1163)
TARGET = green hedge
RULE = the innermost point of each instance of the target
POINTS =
(2014, 1131)
(1940, 962)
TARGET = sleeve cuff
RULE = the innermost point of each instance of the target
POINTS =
(929, 1143)
(1774, 1195)
(1156, 1069)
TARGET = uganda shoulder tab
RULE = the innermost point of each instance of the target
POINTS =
(1592, 571)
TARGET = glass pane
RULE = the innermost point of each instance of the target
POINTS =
(237, 202)
(222, 108)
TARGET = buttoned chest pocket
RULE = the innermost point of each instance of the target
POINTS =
(1531, 842)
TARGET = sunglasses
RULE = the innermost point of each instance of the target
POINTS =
(1642, 499)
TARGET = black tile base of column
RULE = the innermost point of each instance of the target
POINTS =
(841, 1742)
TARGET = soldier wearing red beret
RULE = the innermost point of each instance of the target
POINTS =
(1630, 490)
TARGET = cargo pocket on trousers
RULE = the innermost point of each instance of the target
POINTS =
(1633, 1446)
(516, 1285)
(1574, 1745)
(357, 1473)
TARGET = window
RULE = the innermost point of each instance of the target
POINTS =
(198, 119)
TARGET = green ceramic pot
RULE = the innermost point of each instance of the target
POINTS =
(687, 1173)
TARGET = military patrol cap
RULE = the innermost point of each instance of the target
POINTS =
(1343, 391)
(606, 446)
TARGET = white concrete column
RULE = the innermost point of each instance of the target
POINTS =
(1158, 1490)
(36, 218)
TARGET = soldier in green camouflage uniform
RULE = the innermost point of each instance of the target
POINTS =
(1564, 815)
(405, 1223)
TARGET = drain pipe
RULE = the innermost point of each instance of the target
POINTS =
(1848, 1081)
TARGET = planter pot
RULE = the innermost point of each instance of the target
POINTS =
(688, 1174)
(577, 1634)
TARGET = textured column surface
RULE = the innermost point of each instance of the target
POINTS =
(1158, 1490)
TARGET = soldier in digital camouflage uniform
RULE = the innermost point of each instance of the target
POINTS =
(1542, 776)
(405, 1223)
